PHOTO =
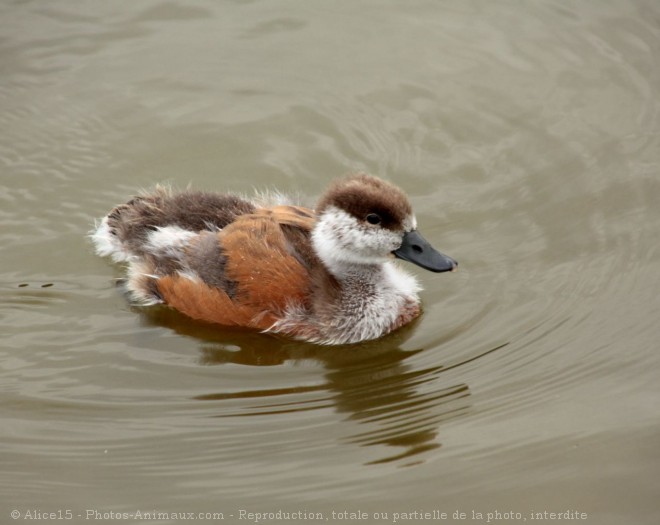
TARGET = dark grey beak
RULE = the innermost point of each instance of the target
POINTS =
(417, 250)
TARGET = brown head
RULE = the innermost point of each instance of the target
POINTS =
(366, 220)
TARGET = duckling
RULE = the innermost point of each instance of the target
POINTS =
(325, 275)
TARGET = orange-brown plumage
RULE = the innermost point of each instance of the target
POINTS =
(325, 276)
(269, 277)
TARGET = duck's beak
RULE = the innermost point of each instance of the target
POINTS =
(417, 250)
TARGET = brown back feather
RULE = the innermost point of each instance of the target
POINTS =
(252, 270)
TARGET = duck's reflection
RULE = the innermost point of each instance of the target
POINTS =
(395, 404)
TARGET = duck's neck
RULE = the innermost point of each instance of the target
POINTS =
(369, 301)
(371, 288)
(352, 273)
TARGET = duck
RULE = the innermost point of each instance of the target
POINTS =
(325, 275)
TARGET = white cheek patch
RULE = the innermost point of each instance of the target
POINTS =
(340, 239)
(381, 241)
(332, 234)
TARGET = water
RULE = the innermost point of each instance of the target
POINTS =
(528, 138)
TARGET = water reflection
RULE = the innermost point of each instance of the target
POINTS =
(373, 384)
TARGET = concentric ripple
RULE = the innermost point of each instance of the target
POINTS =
(527, 138)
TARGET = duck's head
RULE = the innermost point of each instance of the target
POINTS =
(365, 220)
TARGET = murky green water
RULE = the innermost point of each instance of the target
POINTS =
(528, 137)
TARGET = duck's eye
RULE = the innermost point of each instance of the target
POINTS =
(373, 218)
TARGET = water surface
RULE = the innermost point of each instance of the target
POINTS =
(528, 138)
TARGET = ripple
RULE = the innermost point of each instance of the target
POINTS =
(533, 160)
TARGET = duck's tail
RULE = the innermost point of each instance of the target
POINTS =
(130, 230)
